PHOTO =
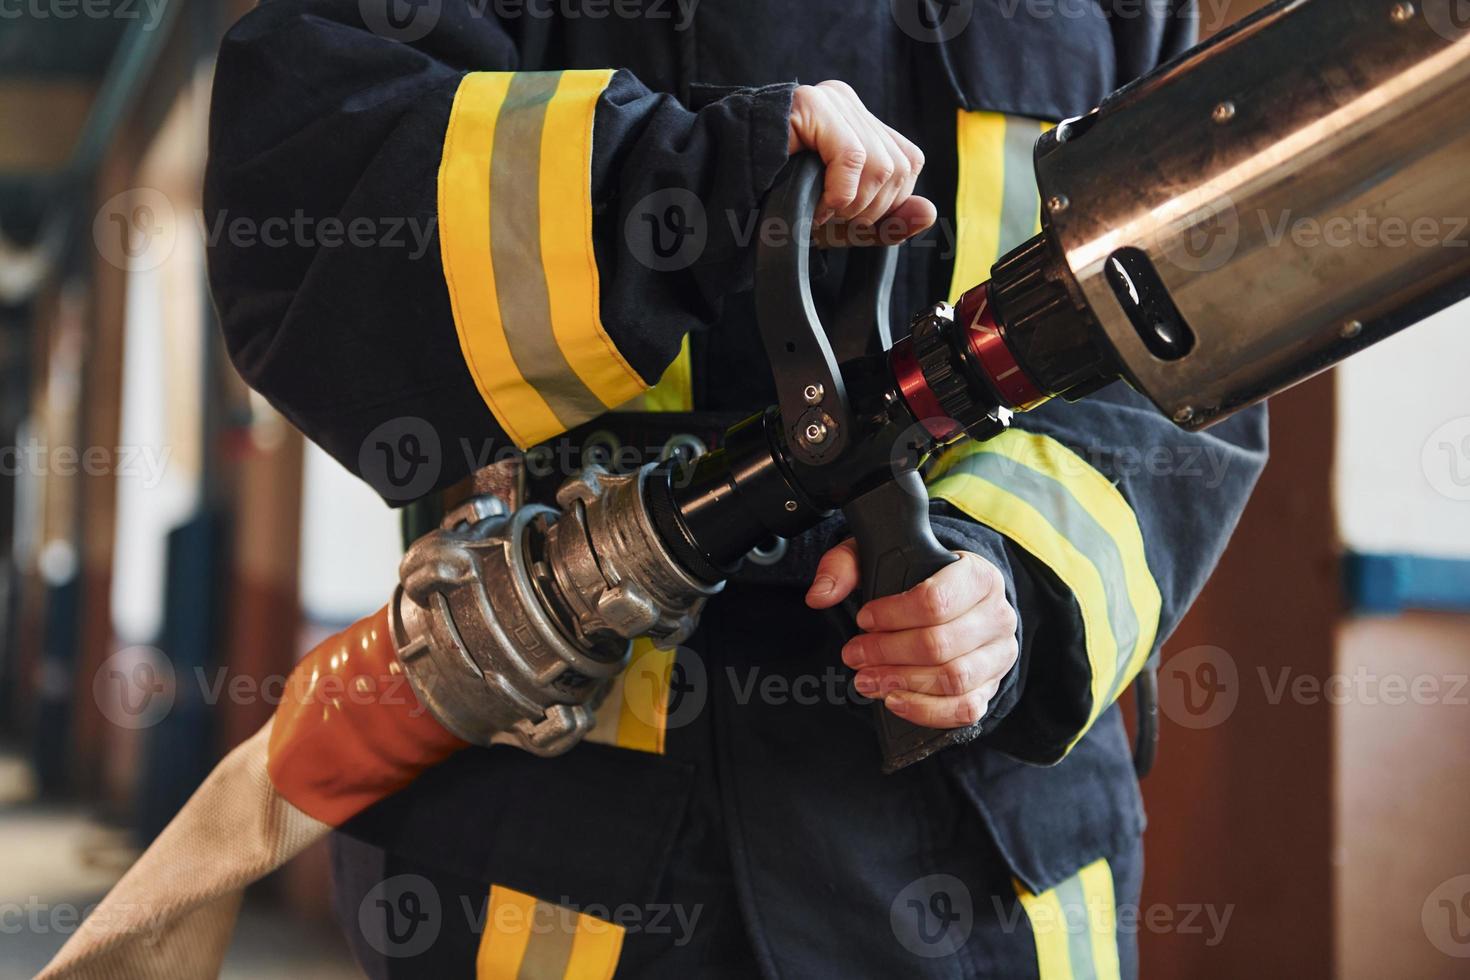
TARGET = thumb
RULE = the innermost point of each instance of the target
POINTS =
(836, 577)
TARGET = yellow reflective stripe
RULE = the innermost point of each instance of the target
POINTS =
(595, 950)
(464, 243)
(635, 713)
(1050, 501)
(674, 391)
(515, 234)
(996, 507)
(527, 939)
(1049, 929)
(996, 203)
(1102, 918)
(566, 240)
(508, 923)
(1075, 926)
(980, 144)
(1107, 505)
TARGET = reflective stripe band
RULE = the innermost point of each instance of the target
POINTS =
(996, 203)
(515, 233)
(1048, 500)
(526, 939)
(635, 713)
(1075, 926)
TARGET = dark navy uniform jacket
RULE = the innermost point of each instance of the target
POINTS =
(452, 228)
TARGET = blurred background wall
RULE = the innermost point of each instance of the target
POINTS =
(162, 530)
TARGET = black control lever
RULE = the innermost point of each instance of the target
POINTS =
(896, 545)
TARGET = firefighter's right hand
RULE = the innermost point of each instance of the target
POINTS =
(871, 168)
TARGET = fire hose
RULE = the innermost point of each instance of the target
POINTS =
(1159, 263)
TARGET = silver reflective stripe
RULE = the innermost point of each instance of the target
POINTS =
(515, 245)
(1077, 920)
(1020, 205)
(549, 950)
(1056, 503)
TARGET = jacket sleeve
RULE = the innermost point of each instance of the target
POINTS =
(415, 238)
(1107, 519)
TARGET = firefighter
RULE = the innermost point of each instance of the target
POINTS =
(591, 172)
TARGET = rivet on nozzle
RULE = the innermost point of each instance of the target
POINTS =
(1402, 12)
(1224, 112)
(1059, 202)
(1185, 414)
(1351, 329)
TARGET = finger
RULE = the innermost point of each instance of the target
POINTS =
(818, 122)
(898, 183)
(938, 711)
(928, 646)
(908, 219)
(879, 165)
(836, 576)
(980, 669)
(944, 596)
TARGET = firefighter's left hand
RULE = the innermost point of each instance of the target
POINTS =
(935, 654)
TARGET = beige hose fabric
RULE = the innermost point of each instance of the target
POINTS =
(172, 914)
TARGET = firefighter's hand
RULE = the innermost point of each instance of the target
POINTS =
(871, 168)
(935, 654)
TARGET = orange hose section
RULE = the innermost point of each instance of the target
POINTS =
(349, 730)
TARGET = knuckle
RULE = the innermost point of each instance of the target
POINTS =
(972, 708)
(852, 157)
(932, 646)
(934, 599)
(958, 676)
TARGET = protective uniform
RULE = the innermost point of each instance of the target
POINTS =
(591, 173)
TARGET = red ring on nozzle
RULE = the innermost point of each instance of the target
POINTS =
(917, 394)
(975, 313)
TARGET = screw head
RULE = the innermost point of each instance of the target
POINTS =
(1185, 414)
(1351, 329)
(1402, 12)
(791, 506)
(1058, 202)
(1224, 112)
(813, 394)
(816, 433)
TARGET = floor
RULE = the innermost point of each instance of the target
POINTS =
(55, 861)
